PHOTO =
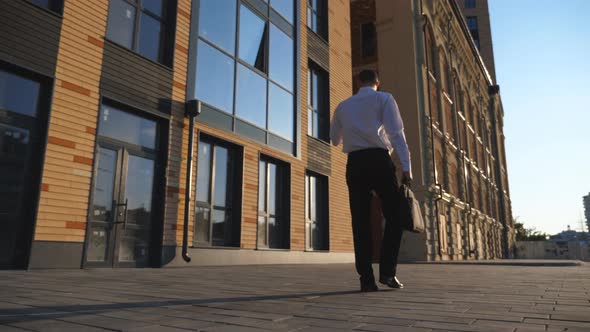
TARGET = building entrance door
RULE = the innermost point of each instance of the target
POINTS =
(121, 211)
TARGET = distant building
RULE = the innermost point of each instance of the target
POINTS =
(439, 66)
(587, 210)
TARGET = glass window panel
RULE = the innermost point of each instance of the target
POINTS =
(14, 152)
(262, 186)
(42, 3)
(217, 23)
(97, 249)
(281, 58)
(18, 94)
(222, 168)
(284, 7)
(127, 127)
(150, 32)
(202, 224)
(314, 90)
(154, 6)
(310, 122)
(104, 185)
(262, 233)
(133, 247)
(215, 78)
(281, 113)
(138, 190)
(121, 23)
(313, 198)
(203, 172)
(251, 97)
(252, 39)
(220, 231)
(272, 189)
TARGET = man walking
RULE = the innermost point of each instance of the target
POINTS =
(368, 125)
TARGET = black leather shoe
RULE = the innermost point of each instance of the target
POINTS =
(369, 287)
(391, 282)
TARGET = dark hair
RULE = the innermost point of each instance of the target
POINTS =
(368, 76)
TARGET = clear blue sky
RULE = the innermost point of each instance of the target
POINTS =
(542, 53)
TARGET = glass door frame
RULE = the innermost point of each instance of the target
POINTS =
(160, 157)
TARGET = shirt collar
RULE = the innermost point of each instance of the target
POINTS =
(366, 89)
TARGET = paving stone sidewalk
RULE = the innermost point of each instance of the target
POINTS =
(437, 297)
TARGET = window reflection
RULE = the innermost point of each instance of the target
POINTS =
(280, 112)
(281, 58)
(215, 83)
(126, 127)
(216, 187)
(18, 94)
(284, 7)
(120, 26)
(217, 23)
(149, 37)
(252, 39)
(251, 97)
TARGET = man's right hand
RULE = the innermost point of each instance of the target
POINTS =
(407, 179)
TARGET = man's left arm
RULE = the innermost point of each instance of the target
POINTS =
(336, 129)
(394, 127)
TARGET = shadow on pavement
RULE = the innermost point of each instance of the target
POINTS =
(52, 312)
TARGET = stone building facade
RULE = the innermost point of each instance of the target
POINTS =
(453, 116)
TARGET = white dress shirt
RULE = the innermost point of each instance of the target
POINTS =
(370, 119)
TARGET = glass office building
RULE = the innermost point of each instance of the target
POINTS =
(94, 137)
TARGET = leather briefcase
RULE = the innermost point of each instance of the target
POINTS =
(409, 212)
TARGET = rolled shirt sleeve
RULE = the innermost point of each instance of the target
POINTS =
(394, 128)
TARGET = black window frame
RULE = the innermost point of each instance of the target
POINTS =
(32, 187)
(323, 103)
(55, 6)
(469, 4)
(368, 50)
(167, 31)
(320, 16)
(233, 191)
(230, 121)
(283, 204)
(322, 208)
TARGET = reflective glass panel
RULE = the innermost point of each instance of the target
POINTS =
(252, 38)
(18, 94)
(121, 23)
(150, 31)
(281, 58)
(222, 166)
(154, 6)
(251, 97)
(138, 190)
(284, 7)
(281, 114)
(219, 232)
(215, 78)
(262, 186)
(202, 224)
(272, 189)
(127, 127)
(104, 185)
(134, 246)
(203, 172)
(217, 22)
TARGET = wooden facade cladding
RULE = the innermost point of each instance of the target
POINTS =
(29, 36)
(67, 171)
(136, 81)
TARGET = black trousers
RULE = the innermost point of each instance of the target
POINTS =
(368, 170)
